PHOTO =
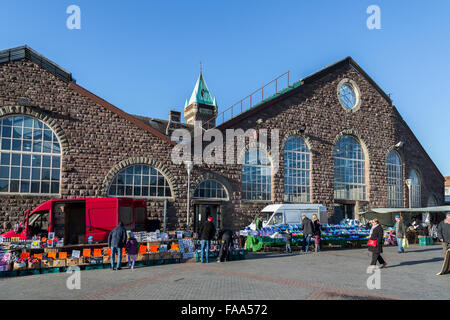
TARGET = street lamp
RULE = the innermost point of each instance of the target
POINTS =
(409, 184)
(189, 165)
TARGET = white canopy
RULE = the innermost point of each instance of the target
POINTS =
(408, 210)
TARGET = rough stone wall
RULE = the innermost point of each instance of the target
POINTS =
(99, 140)
(377, 125)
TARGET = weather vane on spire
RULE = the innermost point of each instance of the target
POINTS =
(200, 67)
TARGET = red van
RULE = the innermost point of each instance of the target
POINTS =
(76, 220)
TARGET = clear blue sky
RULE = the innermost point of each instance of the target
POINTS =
(143, 56)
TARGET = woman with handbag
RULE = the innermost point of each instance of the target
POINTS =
(375, 244)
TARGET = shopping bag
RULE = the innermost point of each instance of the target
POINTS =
(372, 243)
(405, 243)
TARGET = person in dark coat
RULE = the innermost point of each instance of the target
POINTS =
(376, 233)
(443, 233)
(316, 233)
(308, 230)
(116, 241)
(226, 239)
(132, 248)
(207, 232)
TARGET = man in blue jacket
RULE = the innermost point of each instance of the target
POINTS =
(117, 239)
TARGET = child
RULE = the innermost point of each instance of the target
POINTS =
(132, 250)
(288, 241)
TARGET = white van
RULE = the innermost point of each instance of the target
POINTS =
(276, 214)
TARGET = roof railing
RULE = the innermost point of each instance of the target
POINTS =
(262, 94)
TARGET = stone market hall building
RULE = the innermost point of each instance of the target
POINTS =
(342, 144)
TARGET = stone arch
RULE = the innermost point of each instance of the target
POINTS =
(136, 161)
(212, 176)
(298, 134)
(41, 116)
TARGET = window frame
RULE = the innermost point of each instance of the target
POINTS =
(252, 171)
(302, 173)
(358, 164)
(43, 127)
(127, 176)
(394, 172)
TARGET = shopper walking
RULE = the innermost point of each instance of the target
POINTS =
(308, 230)
(207, 232)
(317, 233)
(226, 239)
(443, 232)
(400, 232)
(288, 241)
(132, 248)
(376, 235)
(116, 241)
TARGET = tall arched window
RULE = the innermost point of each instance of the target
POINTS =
(30, 157)
(349, 170)
(415, 196)
(140, 181)
(394, 180)
(210, 189)
(256, 176)
(297, 171)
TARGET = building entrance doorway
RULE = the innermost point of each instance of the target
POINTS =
(203, 211)
(344, 211)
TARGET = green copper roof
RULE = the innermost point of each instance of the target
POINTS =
(201, 93)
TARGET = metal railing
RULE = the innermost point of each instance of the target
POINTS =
(265, 92)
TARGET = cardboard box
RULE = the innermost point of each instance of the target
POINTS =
(19, 266)
(34, 265)
(47, 250)
(60, 263)
(72, 262)
(46, 264)
(106, 259)
(96, 260)
(140, 257)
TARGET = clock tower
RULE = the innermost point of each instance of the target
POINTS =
(201, 106)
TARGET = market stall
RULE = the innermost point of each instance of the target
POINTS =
(24, 257)
(348, 233)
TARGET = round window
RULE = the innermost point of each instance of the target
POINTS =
(347, 95)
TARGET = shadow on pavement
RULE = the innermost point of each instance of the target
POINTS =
(409, 263)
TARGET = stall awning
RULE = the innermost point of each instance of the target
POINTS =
(407, 210)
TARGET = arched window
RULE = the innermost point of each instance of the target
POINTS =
(349, 170)
(30, 157)
(415, 196)
(394, 180)
(210, 189)
(256, 176)
(140, 181)
(296, 171)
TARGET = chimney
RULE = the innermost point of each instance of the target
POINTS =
(174, 116)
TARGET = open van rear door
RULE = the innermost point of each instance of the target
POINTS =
(101, 217)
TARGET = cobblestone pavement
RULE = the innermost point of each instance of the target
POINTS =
(337, 274)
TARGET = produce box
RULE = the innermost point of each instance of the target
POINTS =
(96, 260)
(34, 265)
(59, 263)
(19, 266)
(140, 257)
(72, 262)
(46, 264)
(106, 259)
